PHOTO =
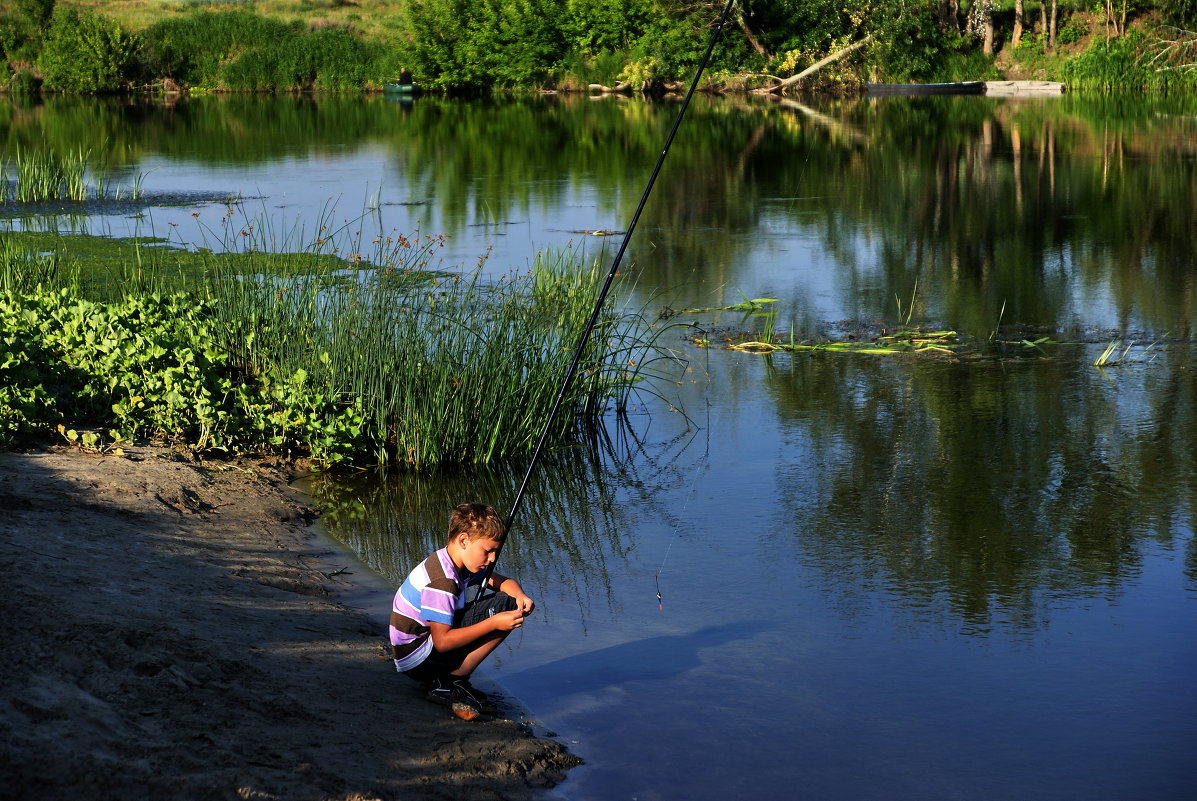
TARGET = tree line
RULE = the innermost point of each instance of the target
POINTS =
(55, 46)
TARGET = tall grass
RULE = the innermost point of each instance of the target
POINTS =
(23, 269)
(49, 176)
(1132, 62)
(45, 175)
(440, 368)
(445, 369)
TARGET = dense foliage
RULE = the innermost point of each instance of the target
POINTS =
(150, 366)
(86, 52)
(254, 350)
(240, 50)
(484, 44)
(1182, 13)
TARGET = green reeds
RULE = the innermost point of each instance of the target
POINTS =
(359, 352)
(44, 176)
(444, 368)
(1111, 356)
(22, 269)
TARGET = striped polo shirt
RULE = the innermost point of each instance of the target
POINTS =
(432, 592)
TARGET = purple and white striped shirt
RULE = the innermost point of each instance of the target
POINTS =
(432, 592)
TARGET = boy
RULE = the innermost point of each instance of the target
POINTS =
(437, 638)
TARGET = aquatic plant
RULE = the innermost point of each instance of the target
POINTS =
(902, 342)
(356, 357)
(23, 269)
(447, 368)
(43, 176)
(153, 367)
(1110, 355)
(47, 175)
(745, 305)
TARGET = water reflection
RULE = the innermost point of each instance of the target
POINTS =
(575, 529)
(1072, 213)
(982, 491)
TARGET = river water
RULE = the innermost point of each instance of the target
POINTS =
(812, 575)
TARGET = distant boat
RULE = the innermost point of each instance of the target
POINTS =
(960, 88)
(401, 89)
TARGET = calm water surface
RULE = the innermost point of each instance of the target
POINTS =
(878, 578)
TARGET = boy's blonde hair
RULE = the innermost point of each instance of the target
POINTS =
(477, 520)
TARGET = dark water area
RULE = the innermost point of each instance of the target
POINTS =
(878, 577)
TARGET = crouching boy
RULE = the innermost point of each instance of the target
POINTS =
(438, 638)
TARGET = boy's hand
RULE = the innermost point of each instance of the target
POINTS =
(506, 621)
(524, 604)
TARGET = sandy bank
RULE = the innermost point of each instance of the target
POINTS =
(170, 630)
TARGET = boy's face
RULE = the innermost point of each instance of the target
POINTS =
(477, 554)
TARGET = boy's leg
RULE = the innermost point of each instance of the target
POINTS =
(478, 610)
(475, 612)
(447, 675)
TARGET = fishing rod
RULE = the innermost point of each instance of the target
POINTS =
(602, 297)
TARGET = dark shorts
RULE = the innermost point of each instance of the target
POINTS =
(442, 663)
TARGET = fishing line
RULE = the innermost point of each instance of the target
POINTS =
(602, 296)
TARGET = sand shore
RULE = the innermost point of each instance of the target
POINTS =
(171, 629)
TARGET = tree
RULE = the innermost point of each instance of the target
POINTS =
(980, 23)
(84, 52)
(1020, 23)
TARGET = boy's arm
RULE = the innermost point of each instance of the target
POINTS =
(512, 587)
(447, 638)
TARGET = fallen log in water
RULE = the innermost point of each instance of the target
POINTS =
(1022, 88)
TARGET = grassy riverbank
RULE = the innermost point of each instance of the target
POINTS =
(79, 46)
(306, 349)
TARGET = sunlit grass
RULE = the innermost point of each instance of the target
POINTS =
(432, 367)
(39, 176)
(376, 19)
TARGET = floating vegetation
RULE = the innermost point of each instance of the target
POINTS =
(1117, 353)
(1110, 355)
(861, 338)
(903, 342)
(748, 305)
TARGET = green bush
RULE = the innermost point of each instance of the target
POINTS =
(1123, 64)
(20, 41)
(86, 53)
(242, 51)
(36, 12)
(496, 43)
(1181, 13)
(910, 46)
(154, 367)
(194, 48)
(330, 59)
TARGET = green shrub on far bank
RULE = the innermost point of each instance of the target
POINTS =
(1130, 63)
(242, 51)
(86, 53)
(192, 49)
(330, 60)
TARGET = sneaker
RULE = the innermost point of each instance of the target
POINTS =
(465, 705)
(439, 691)
(485, 702)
